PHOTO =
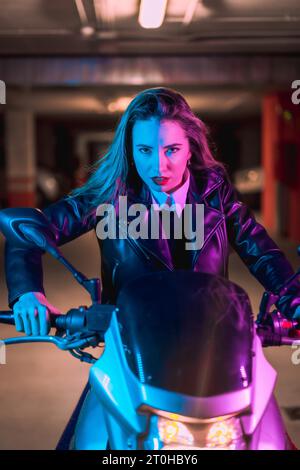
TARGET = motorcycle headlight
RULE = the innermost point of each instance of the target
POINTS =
(221, 433)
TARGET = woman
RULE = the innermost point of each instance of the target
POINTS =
(160, 149)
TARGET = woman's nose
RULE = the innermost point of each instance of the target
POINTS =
(161, 164)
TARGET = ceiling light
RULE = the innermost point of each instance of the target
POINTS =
(152, 13)
(119, 105)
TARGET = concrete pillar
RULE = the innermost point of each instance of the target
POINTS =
(20, 158)
(281, 162)
(269, 136)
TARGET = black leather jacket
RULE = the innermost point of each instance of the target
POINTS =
(227, 221)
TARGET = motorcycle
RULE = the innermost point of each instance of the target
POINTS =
(183, 365)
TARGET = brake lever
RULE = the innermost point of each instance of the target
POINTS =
(64, 343)
(276, 330)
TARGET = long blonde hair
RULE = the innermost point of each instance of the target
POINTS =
(112, 173)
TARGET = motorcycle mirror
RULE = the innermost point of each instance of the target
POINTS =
(27, 227)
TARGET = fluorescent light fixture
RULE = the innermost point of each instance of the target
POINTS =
(152, 13)
(81, 12)
(190, 10)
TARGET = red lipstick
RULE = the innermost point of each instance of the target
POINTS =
(160, 180)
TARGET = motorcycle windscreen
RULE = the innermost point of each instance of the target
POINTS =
(187, 332)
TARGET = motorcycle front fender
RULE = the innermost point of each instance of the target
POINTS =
(90, 431)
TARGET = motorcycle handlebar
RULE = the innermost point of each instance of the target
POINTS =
(7, 317)
(96, 318)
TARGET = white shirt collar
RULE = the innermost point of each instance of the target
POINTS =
(179, 196)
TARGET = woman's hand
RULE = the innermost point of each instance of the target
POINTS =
(31, 313)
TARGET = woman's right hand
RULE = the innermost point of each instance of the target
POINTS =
(31, 314)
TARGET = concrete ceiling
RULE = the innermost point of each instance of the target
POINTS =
(222, 54)
(226, 104)
(43, 27)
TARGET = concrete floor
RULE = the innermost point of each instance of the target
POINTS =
(39, 385)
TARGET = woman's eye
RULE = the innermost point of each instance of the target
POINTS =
(145, 150)
(172, 150)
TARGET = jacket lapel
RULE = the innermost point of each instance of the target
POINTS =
(158, 248)
(200, 187)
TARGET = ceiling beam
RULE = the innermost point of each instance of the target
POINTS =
(135, 71)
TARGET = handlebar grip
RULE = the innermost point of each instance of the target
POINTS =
(7, 317)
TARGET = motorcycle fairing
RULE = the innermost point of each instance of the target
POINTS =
(263, 424)
(271, 430)
(264, 379)
(91, 430)
(118, 391)
(186, 332)
(118, 396)
(121, 395)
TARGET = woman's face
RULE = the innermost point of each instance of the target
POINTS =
(160, 152)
